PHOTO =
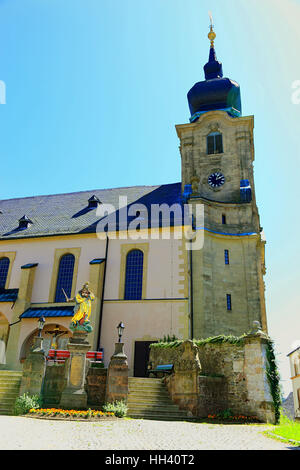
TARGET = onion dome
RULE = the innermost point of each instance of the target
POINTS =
(215, 92)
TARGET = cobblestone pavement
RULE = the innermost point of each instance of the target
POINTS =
(20, 433)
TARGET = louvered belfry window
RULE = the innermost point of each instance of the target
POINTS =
(65, 277)
(214, 143)
(134, 275)
(4, 267)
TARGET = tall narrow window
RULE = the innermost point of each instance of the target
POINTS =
(4, 267)
(223, 219)
(134, 275)
(226, 256)
(214, 143)
(229, 306)
(65, 277)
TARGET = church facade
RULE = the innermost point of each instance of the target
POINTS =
(151, 267)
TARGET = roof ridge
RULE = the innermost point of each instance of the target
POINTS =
(86, 191)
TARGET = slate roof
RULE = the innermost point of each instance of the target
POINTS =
(8, 295)
(69, 213)
(37, 312)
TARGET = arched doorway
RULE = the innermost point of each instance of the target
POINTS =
(54, 336)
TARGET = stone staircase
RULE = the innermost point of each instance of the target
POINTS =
(149, 399)
(10, 381)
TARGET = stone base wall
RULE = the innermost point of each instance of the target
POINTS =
(54, 383)
(213, 395)
(229, 376)
(96, 386)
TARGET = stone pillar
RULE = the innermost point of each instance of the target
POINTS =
(22, 303)
(183, 384)
(34, 369)
(74, 395)
(255, 369)
(117, 376)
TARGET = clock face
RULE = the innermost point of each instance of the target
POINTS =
(215, 180)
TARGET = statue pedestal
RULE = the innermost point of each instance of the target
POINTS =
(74, 395)
(34, 369)
(117, 376)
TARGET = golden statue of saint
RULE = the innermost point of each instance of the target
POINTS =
(82, 309)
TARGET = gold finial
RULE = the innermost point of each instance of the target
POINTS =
(211, 35)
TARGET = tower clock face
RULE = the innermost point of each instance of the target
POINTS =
(217, 179)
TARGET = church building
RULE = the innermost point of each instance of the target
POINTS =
(142, 268)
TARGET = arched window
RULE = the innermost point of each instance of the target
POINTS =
(214, 143)
(134, 275)
(4, 267)
(65, 277)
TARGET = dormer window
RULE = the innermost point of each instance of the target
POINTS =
(25, 222)
(214, 143)
(94, 201)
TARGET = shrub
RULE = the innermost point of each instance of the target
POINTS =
(26, 402)
(119, 408)
(226, 414)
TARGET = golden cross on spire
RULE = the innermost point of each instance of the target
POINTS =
(211, 35)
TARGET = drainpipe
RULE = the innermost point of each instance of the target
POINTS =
(191, 292)
(102, 298)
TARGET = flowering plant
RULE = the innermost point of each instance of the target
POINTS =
(69, 413)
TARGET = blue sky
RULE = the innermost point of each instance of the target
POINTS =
(94, 89)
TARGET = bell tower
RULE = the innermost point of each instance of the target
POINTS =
(217, 154)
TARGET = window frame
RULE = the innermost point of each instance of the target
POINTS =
(58, 254)
(125, 249)
(217, 148)
(59, 274)
(5, 269)
(229, 302)
(139, 276)
(11, 255)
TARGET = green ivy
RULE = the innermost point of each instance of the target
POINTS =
(220, 339)
(273, 379)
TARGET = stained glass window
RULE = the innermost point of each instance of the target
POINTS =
(226, 256)
(65, 277)
(4, 266)
(134, 275)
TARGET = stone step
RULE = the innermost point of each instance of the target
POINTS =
(158, 416)
(8, 395)
(7, 402)
(148, 392)
(156, 410)
(147, 389)
(146, 382)
(148, 398)
(170, 406)
(143, 379)
(6, 411)
(9, 379)
(10, 374)
(143, 399)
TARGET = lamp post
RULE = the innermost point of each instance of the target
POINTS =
(120, 328)
(41, 323)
